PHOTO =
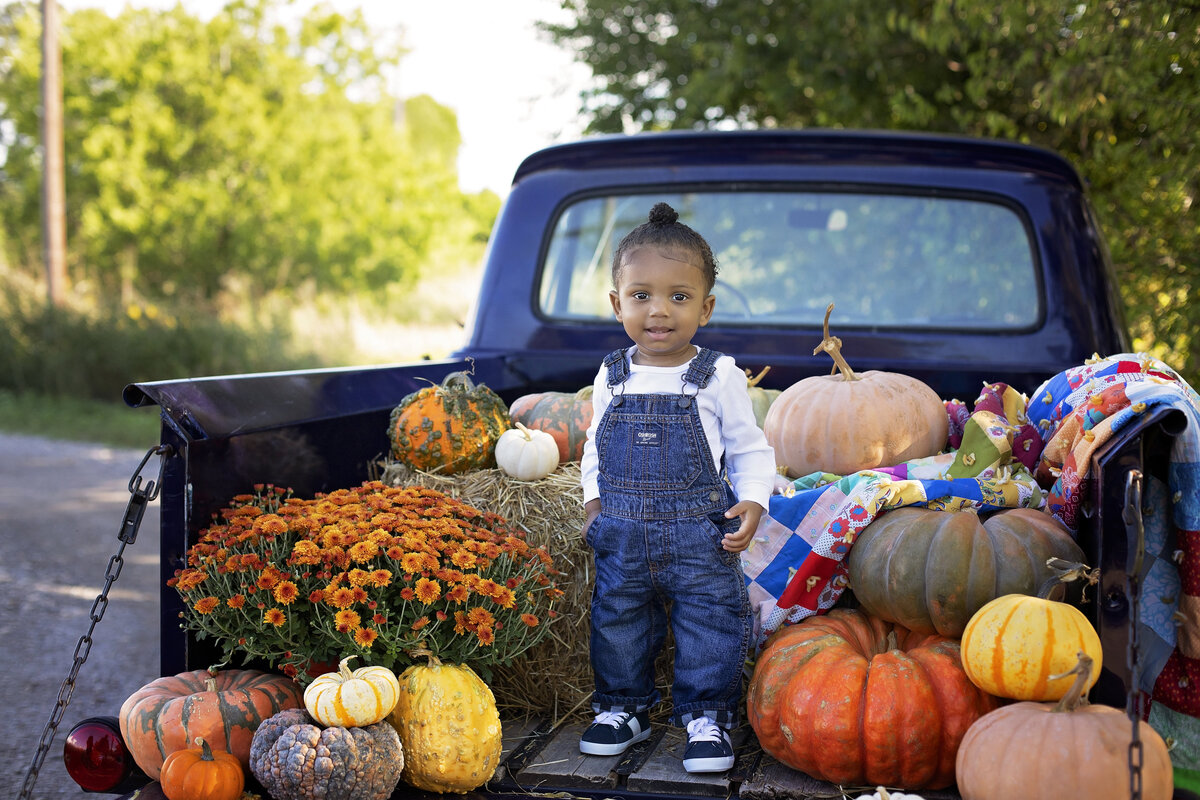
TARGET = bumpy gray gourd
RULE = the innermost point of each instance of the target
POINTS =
(295, 758)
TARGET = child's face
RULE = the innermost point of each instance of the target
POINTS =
(662, 299)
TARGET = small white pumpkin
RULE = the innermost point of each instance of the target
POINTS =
(527, 455)
(355, 699)
(881, 793)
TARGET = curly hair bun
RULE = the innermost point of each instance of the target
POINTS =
(663, 214)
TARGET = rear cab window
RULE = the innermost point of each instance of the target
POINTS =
(886, 260)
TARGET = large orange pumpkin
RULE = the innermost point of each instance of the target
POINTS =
(449, 427)
(847, 422)
(851, 699)
(931, 570)
(224, 708)
(564, 415)
(1047, 751)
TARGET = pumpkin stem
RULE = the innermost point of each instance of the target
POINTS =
(757, 378)
(890, 643)
(424, 652)
(1075, 696)
(524, 430)
(833, 346)
(343, 669)
(1065, 572)
(205, 749)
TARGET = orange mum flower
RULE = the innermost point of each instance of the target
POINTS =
(486, 636)
(480, 616)
(419, 623)
(530, 619)
(270, 524)
(342, 597)
(237, 601)
(504, 597)
(206, 605)
(365, 637)
(363, 552)
(347, 621)
(286, 592)
(407, 594)
(463, 559)
(428, 590)
(274, 616)
(358, 577)
(381, 577)
(458, 594)
(412, 562)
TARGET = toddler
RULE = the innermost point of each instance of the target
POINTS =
(672, 423)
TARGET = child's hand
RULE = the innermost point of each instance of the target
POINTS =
(739, 540)
(592, 509)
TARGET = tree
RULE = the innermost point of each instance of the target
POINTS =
(199, 150)
(1108, 84)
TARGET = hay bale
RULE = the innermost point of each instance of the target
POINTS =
(555, 676)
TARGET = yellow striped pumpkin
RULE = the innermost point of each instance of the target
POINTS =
(355, 699)
(1014, 646)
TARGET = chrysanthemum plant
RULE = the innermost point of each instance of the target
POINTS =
(375, 571)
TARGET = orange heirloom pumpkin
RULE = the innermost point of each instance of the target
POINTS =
(814, 708)
(563, 415)
(224, 708)
(849, 422)
(201, 773)
(1053, 751)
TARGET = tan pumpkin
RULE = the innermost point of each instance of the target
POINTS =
(222, 707)
(1043, 751)
(449, 727)
(525, 454)
(352, 699)
(1023, 647)
(930, 571)
(846, 422)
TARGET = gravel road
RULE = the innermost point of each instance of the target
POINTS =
(61, 506)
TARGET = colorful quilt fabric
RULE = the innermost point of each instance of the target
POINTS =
(794, 567)
(1075, 412)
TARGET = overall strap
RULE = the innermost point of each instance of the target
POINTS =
(702, 368)
(618, 367)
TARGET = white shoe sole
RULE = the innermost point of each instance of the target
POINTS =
(708, 764)
(600, 749)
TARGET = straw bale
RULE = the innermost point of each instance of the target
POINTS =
(554, 677)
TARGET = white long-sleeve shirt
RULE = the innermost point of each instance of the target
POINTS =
(725, 413)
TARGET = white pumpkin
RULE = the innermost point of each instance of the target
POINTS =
(881, 793)
(355, 699)
(525, 454)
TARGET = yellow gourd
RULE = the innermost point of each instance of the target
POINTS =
(1023, 647)
(449, 727)
(352, 699)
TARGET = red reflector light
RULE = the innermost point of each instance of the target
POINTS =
(95, 754)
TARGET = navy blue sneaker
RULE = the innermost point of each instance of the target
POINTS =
(708, 747)
(613, 732)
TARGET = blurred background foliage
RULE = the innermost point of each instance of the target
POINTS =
(246, 196)
(241, 196)
(1110, 84)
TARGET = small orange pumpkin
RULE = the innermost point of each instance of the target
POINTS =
(565, 416)
(201, 773)
(844, 423)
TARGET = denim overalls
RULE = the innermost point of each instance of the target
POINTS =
(657, 542)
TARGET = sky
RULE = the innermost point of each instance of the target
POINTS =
(513, 91)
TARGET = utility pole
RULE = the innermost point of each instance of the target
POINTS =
(54, 203)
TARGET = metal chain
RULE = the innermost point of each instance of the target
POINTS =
(139, 498)
(1133, 525)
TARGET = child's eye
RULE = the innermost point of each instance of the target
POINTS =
(641, 295)
(679, 297)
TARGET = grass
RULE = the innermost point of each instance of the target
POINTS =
(79, 420)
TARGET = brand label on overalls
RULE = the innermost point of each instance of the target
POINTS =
(650, 438)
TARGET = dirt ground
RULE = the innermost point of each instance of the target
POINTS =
(61, 506)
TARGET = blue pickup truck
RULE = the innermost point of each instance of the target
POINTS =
(957, 261)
